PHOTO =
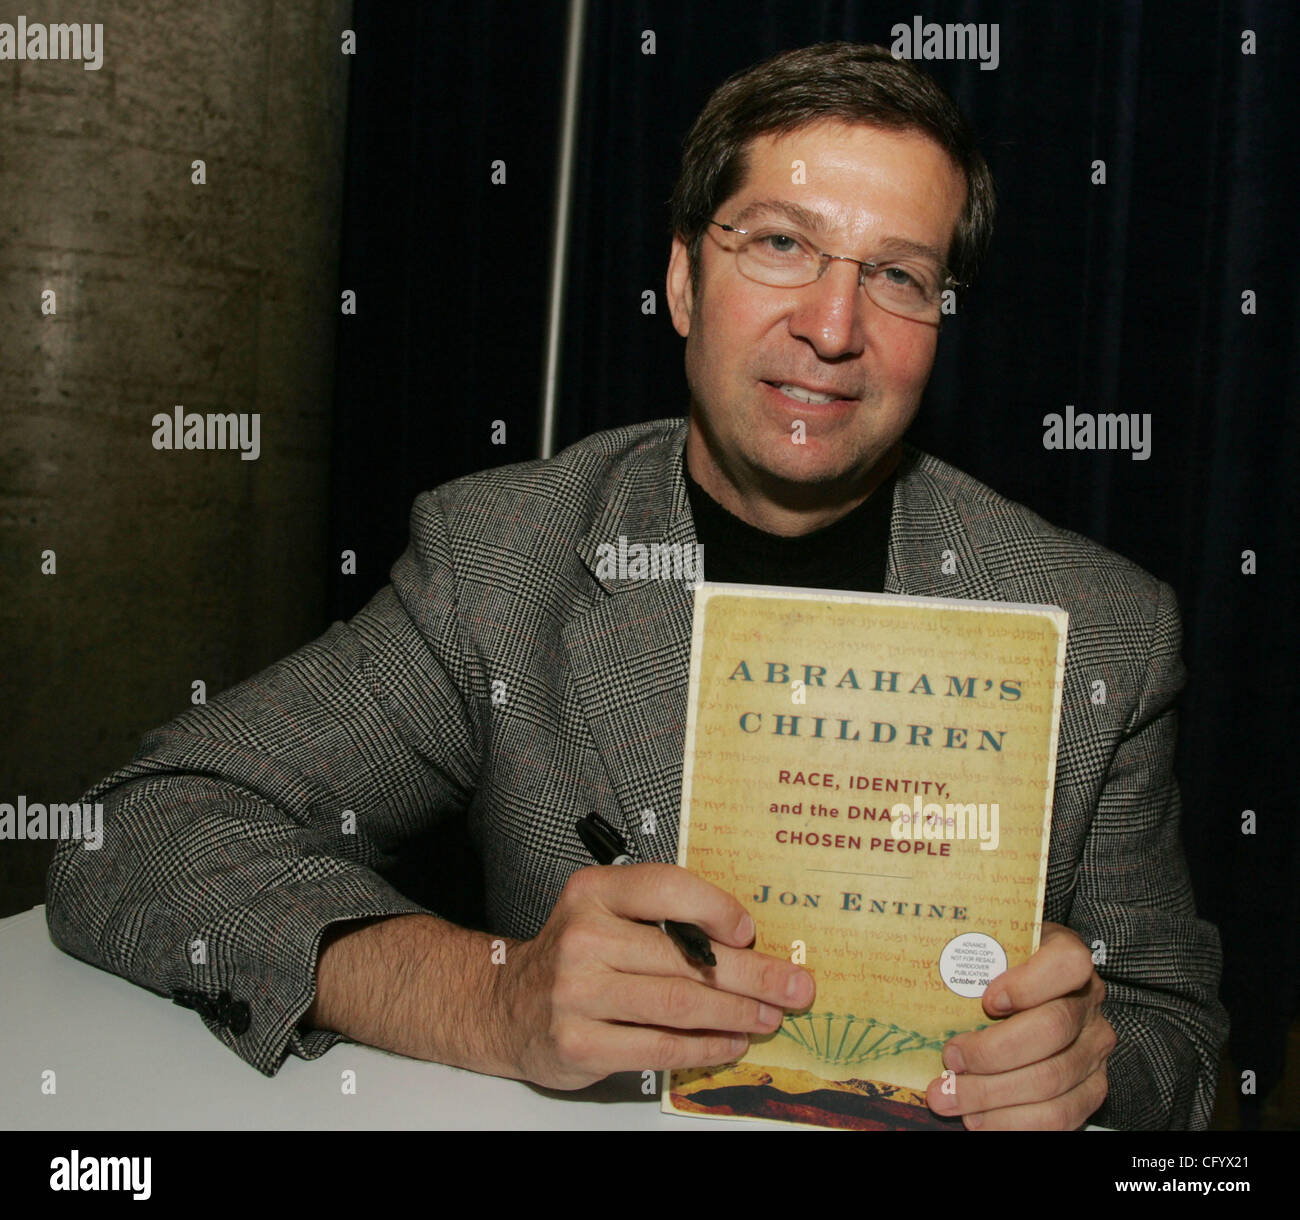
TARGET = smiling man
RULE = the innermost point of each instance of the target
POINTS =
(829, 201)
(844, 358)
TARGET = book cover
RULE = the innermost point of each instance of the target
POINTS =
(871, 775)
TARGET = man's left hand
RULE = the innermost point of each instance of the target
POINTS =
(1044, 1066)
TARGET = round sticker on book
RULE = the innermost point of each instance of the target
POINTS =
(970, 962)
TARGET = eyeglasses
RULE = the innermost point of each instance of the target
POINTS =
(910, 285)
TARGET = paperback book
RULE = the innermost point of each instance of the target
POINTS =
(871, 776)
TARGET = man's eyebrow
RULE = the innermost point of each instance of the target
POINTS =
(801, 216)
(905, 245)
(815, 222)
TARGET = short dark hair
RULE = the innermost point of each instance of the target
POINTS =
(845, 81)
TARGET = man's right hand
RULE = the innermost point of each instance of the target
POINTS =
(596, 991)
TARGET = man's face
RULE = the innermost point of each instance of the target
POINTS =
(872, 187)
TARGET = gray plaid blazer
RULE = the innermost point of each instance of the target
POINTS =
(227, 824)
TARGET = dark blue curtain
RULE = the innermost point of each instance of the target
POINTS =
(1123, 297)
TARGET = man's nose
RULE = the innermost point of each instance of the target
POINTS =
(832, 311)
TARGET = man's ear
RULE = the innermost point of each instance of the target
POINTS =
(680, 297)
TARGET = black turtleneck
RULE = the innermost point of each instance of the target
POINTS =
(850, 553)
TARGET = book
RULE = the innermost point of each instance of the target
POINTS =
(871, 775)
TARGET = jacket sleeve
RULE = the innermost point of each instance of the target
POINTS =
(1134, 907)
(243, 828)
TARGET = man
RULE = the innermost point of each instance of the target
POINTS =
(506, 679)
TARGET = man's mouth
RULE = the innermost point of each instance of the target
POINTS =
(803, 394)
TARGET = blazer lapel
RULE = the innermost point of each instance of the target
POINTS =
(630, 655)
(931, 553)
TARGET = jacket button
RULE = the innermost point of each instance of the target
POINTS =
(238, 1017)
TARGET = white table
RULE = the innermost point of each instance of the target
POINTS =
(126, 1059)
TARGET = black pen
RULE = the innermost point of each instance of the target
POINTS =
(607, 847)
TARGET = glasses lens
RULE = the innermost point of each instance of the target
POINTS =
(780, 257)
(909, 287)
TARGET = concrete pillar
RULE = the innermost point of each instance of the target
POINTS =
(171, 566)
